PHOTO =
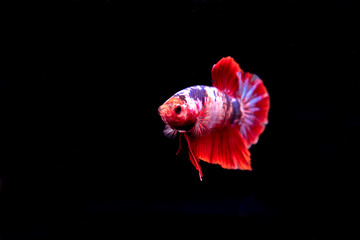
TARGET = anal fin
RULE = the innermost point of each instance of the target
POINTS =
(225, 147)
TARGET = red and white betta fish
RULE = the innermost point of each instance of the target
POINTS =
(221, 122)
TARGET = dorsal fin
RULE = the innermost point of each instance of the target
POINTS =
(225, 76)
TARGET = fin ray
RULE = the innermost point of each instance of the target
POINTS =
(255, 106)
(250, 91)
(225, 147)
(224, 75)
(169, 132)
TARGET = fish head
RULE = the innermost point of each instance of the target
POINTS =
(178, 113)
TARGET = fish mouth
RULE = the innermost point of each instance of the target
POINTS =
(162, 110)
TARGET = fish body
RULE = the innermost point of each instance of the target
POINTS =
(217, 108)
(222, 121)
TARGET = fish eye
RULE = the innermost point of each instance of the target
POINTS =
(177, 110)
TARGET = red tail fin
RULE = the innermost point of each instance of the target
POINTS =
(255, 104)
(250, 90)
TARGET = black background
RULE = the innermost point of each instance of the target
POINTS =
(82, 149)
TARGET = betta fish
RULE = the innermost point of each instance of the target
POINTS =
(221, 122)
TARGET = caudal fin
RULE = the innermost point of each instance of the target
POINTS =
(250, 90)
(255, 104)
